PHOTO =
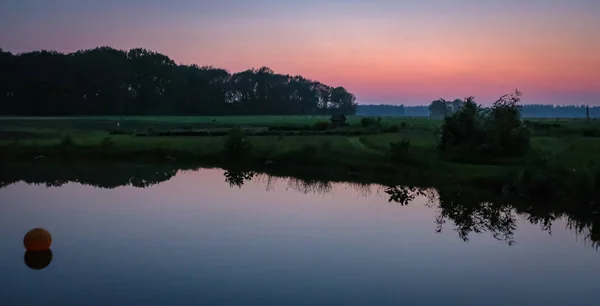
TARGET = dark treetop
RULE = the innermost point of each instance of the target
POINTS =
(106, 81)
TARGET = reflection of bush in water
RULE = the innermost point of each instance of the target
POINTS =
(403, 194)
(476, 212)
(364, 190)
(576, 200)
(499, 220)
(472, 211)
(237, 177)
(467, 212)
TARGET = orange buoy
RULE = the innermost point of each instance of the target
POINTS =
(37, 239)
(38, 260)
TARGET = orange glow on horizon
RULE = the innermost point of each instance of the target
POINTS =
(380, 50)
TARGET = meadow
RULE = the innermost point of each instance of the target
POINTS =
(386, 149)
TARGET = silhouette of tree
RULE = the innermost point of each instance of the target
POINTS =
(237, 177)
(107, 81)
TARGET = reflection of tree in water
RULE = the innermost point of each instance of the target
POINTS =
(152, 178)
(470, 211)
(364, 190)
(310, 186)
(403, 194)
(237, 177)
(467, 212)
(588, 231)
(270, 182)
(471, 215)
(581, 214)
(476, 212)
(97, 175)
(304, 186)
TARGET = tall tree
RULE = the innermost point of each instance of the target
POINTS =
(107, 81)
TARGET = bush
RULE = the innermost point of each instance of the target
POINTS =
(464, 128)
(399, 150)
(368, 121)
(236, 143)
(506, 133)
(492, 132)
(394, 128)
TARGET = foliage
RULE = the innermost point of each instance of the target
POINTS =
(506, 135)
(403, 194)
(237, 177)
(493, 132)
(380, 110)
(370, 122)
(465, 128)
(527, 111)
(441, 108)
(399, 150)
(236, 143)
(107, 81)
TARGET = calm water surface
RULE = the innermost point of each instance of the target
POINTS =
(196, 240)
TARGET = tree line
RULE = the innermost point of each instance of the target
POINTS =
(107, 81)
(439, 109)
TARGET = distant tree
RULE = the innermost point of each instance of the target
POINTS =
(380, 110)
(456, 105)
(438, 109)
(107, 81)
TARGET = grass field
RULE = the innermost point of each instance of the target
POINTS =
(575, 143)
(221, 119)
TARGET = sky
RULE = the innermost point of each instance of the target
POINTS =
(383, 51)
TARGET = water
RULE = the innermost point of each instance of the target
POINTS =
(196, 240)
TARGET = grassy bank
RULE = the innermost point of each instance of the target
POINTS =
(395, 148)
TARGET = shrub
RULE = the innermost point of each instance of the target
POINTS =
(236, 143)
(506, 133)
(394, 128)
(495, 132)
(464, 128)
(369, 122)
(399, 150)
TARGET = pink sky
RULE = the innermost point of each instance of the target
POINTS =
(383, 51)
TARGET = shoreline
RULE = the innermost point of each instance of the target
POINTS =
(410, 156)
(303, 162)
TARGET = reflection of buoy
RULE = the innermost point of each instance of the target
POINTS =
(38, 260)
(37, 239)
